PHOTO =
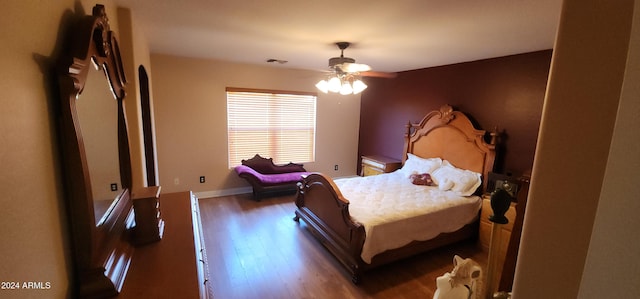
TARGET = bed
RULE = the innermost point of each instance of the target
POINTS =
(349, 216)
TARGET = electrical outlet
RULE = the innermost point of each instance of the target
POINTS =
(114, 187)
(335, 167)
(176, 181)
(202, 179)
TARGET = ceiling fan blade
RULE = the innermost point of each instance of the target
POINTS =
(354, 67)
(378, 74)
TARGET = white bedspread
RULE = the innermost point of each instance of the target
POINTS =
(395, 212)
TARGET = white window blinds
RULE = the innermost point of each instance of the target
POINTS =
(275, 124)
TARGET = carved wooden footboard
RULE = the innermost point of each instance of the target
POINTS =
(323, 208)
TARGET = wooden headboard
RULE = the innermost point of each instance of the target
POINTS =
(451, 136)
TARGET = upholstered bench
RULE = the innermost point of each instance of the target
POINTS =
(268, 178)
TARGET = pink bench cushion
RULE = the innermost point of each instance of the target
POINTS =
(271, 179)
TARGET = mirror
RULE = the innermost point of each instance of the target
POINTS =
(104, 224)
(95, 153)
(98, 118)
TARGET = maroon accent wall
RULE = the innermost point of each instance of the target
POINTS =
(507, 92)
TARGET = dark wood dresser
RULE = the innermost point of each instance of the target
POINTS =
(174, 267)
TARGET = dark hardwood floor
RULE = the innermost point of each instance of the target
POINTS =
(256, 250)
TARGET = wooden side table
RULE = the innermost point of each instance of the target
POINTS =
(374, 165)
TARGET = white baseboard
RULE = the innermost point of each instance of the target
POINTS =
(225, 192)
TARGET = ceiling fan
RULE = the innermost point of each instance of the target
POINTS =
(345, 73)
(346, 64)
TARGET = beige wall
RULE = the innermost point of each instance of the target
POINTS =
(190, 109)
(34, 236)
(581, 202)
(614, 247)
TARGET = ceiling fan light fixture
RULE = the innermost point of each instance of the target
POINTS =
(323, 86)
(345, 74)
(358, 86)
(341, 83)
(346, 88)
(334, 84)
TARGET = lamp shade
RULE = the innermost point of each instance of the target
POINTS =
(358, 86)
(334, 84)
(343, 83)
(346, 88)
(323, 86)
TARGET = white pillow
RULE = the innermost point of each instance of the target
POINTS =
(415, 164)
(462, 181)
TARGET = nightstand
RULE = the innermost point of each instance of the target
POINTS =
(486, 227)
(374, 165)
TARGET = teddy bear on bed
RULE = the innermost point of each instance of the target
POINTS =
(421, 179)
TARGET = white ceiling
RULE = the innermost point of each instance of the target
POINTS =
(388, 35)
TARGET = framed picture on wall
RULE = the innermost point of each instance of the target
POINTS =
(502, 181)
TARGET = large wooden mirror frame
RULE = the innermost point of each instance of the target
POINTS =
(102, 250)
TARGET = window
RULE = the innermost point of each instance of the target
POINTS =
(275, 124)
